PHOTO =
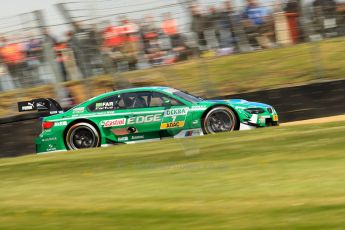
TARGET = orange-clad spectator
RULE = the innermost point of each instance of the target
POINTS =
(12, 54)
(130, 49)
(114, 36)
(169, 27)
(131, 30)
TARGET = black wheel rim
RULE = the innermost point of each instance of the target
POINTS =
(219, 121)
(82, 137)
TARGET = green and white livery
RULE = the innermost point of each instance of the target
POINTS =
(143, 114)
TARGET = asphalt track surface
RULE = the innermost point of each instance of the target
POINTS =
(299, 103)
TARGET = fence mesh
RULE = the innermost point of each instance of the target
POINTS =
(206, 47)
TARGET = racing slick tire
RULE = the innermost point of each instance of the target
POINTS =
(82, 135)
(220, 119)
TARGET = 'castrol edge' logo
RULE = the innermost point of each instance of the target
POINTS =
(113, 123)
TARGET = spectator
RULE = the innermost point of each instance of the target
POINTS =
(232, 20)
(6, 82)
(83, 42)
(60, 47)
(324, 17)
(113, 37)
(12, 54)
(113, 40)
(149, 31)
(258, 24)
(292, 13)
(198, 25)
(180, 49)
(34, 54)
(130, 48)
(225, 27)
(150, 36)
(169, 27)
(211, 31)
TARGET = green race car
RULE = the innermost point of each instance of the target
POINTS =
(143, 114)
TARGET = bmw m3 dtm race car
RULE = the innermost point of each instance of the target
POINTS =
(142, 114)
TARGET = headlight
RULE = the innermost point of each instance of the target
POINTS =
(255, 110)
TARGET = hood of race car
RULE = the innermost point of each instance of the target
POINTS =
(240, 103)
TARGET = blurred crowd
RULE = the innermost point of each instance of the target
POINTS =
(137, 44)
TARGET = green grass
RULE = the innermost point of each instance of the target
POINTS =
(274, 178)
(299, 64)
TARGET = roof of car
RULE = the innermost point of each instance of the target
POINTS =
(156, 88)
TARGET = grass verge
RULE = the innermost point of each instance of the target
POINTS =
(274, 178)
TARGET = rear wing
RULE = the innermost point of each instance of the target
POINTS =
(41, 104)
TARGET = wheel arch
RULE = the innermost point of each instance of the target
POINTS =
(221, 105)
(79, 121)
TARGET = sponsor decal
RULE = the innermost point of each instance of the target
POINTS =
(198, 107)
(254, 119)
(190, 133)
(60, 123)
(104, 105)
(78, 110)
(27, 107)
(137, 137)
(195, 122)
(122, 139)
(49, 139)
(174, 118)
(170, 90)
(275, 118)
(240, 107)
(113, 123)
(175, 112)
(51, 148)
(144, 119)
(176, 124)
(120, 131)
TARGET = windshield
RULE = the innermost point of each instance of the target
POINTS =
(187, 96)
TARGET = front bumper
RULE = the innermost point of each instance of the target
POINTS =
(260, 120)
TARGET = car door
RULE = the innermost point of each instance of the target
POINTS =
(174, 114)
(143, 121)
(153, 115)
(111, 118)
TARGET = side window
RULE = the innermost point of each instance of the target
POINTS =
(135, 100)
(157, 100)
(105, 104)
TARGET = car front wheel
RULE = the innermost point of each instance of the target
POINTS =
(220, 119)
(81, 136)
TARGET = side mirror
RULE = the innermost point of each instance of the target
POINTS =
(166, 102)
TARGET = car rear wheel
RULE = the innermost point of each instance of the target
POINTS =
(81, 136)
(220, 119)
